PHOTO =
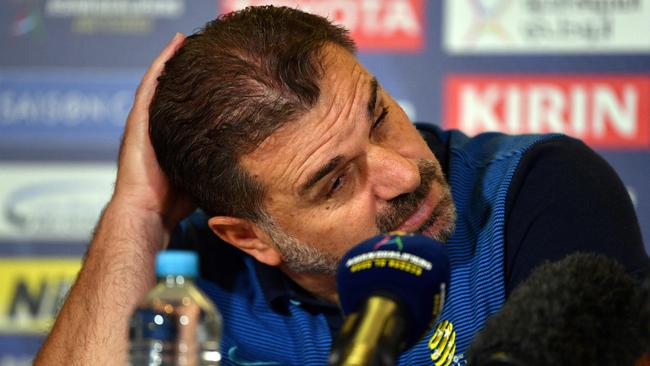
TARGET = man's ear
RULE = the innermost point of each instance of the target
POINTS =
(246, 236)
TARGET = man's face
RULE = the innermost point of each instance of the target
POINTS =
(350, 168)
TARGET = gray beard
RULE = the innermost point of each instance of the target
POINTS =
(298, 256)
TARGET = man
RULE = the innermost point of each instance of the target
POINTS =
(294, 152)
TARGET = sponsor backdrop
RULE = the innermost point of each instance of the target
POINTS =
(69, 68)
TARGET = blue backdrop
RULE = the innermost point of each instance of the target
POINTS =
(69, 68)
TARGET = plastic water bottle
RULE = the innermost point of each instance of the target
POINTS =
(176, 324)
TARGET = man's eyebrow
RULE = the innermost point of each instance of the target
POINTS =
(374, 85)
(320, 174)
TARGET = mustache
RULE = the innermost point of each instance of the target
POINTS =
(404, 205)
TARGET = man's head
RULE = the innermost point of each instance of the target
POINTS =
(227, 89)
(269, 122)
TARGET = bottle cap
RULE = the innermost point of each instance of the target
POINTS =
(177, 262)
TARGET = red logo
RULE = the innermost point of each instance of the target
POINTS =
(375, 25)
(608, 111)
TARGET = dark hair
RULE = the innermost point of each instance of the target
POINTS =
(229, 87)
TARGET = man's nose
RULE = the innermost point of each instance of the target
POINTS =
(390, 173)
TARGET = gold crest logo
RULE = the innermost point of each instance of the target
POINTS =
(443, 344)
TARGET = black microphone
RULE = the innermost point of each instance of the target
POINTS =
(391, 288)
(581, 310)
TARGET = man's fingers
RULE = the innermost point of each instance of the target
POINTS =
(147, 86)
(136, 122)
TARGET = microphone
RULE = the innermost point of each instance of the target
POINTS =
(391, 288)
(581, 310)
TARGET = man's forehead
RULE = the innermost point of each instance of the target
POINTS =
(345, 90)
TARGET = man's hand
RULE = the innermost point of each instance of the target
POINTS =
(92, 326)
(140, 183)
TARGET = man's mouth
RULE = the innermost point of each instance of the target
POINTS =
(420, 216)
(429, 210)
(409, 211)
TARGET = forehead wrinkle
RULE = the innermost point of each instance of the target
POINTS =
(292, 146)
(338, 111)
(324, 116)
(358, 95)
(333, 115)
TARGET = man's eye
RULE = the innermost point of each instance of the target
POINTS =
(380, 119)
(337, 183)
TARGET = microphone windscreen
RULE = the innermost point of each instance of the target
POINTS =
(411, 269)
(582, 310)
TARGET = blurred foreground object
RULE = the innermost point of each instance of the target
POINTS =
(176, 324)
(581, 310)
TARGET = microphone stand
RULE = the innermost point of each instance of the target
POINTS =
(373, 336)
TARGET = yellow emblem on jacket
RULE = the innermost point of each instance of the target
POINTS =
(443, 344)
